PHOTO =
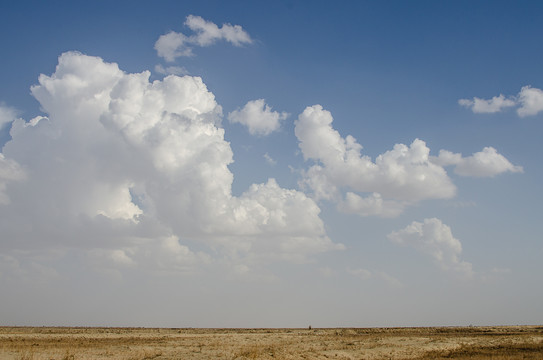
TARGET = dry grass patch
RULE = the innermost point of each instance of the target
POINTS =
(526, 351)
(237, 344)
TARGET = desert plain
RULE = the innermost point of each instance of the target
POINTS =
(63, 343)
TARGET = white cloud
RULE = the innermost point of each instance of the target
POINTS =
(120, 163)
(494, 105)
(287, 217)
(434, 239)
(258, 117)
(208, 33)
(121, 205)
(484, 163)
(399, 176)
(173, 45)
(531, 101)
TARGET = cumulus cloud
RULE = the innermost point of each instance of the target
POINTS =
(435, 239)
(496, 104)
(403, 174)
(120, 164)
(384, 187)
(484, 163)
(258, 117)
(266, 210)
(173, 44)
(529, 101)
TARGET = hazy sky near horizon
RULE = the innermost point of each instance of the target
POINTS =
(271, 164)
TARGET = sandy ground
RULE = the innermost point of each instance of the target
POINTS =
(521, 342)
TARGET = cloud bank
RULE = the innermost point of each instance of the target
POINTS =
(134, 173)
(172, 45)
(126, 167)
(399, 177)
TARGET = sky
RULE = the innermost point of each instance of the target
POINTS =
(271, 164)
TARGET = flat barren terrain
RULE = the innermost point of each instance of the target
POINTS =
(511, 342)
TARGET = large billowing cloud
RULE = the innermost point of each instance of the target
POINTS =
(401, 176)
(128, 167)
(434, 239)
(173, 44)
(529, 101)
(258, 117)
(403, 173)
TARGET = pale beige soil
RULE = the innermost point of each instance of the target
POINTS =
(521, 342)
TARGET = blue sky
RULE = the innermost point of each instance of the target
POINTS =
(360, 164)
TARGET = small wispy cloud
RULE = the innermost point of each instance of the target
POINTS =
(258, 117)
(494, 105)
(485, 163)
(269, 159)
(172, 45)
(529, 101)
